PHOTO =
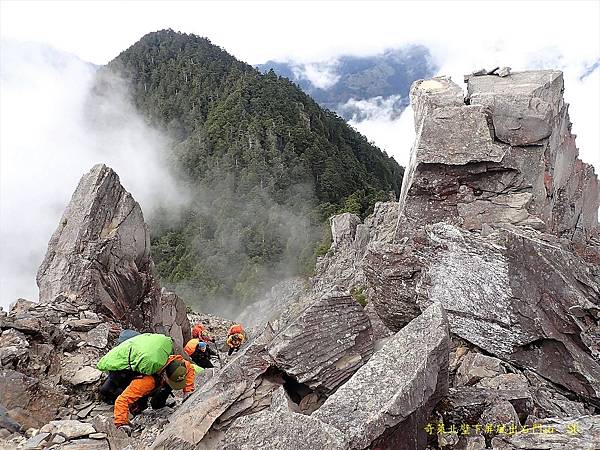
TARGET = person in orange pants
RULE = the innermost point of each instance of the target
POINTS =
(131, 391)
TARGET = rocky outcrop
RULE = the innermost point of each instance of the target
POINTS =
(507, 156)
(310, 357)
(492, 288)
(100, 255)
(96, 280)
(383, 405)
(387, 401)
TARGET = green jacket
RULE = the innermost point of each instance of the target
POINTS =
(146, 353)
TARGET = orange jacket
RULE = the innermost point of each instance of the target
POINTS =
(143, 386)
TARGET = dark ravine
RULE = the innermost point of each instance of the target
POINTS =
(482, 292)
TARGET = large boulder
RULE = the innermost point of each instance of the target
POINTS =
(310, 357)
(100, 255)
(507, 156)
(95, 280)
(519, 295)
(388, 400)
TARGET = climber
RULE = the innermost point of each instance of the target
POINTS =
(200, 353)
(143, 368)
(236, 336)
(199, 332)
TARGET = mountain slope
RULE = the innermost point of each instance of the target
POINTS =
(265, 164)
(341, 84)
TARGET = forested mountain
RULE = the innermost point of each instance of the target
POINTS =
(266, 166)
(341, 85)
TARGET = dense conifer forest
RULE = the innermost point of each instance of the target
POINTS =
(265, 164)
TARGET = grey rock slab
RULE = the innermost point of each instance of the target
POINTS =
(37, 441)
(83, 413)
(58, 439)
(442, 137)
(98, 337)
(282, 430)
(85, 375)
(70, 429)
(428, 95)
(13, 346)
(85, 444)
(475, 367)
(326, 344)
(396, 382)
(506, 381)
(343, 228)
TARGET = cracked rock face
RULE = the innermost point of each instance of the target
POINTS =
(519, 296)
(317, 351)
(508, 156)
(100, 255)
(387, 400)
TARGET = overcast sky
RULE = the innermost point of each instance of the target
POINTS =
(44, 149)
(463, 36)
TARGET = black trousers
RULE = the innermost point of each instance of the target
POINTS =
(117, 382)
(202, 362)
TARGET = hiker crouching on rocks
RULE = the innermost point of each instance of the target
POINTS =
(200, 353)
(141, 369)
(236, 336)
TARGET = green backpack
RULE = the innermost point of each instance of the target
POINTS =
(146, 353)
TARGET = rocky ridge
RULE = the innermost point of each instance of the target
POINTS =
(463, 317)
(96, 279)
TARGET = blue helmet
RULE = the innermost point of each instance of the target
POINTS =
(202, 346)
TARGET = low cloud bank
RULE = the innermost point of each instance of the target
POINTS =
(47, 143)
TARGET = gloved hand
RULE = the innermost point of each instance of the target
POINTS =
(126, 428)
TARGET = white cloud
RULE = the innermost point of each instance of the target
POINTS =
(46, 146)
(41, 105)
(322, 74)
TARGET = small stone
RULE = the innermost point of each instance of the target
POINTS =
(86, 375)
(36, 441)
(58, 439)
(503, 72)
(69, 428)
(98, 435)
(98, 337)
(82, 414)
